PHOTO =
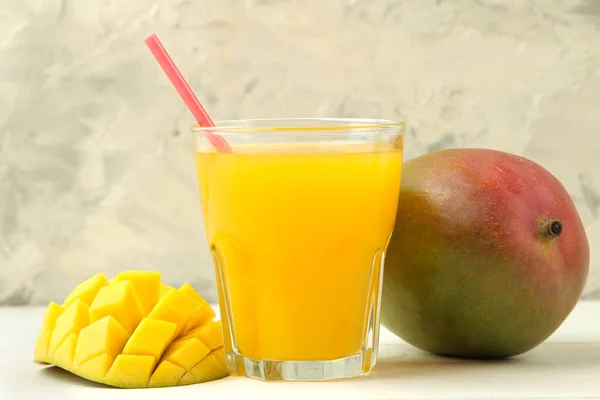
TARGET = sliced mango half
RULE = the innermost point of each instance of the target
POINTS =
(133, 331)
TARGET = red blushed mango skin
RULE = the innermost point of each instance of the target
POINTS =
(469, 271)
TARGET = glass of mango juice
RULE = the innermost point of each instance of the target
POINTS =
(298, 217)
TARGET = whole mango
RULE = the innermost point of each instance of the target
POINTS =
(488, 256)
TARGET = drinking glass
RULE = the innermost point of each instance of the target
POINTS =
(298, 218)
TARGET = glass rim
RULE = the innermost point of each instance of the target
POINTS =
(343, 125)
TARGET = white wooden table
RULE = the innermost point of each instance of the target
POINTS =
(566, 366)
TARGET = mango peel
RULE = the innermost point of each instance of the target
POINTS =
(133, 331)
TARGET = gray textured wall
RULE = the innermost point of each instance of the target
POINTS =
(96, 166)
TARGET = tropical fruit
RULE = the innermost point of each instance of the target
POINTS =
(488, 256)
(133, 331)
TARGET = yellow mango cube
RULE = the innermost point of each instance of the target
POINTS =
(151, 337)
(42, 343)
(186, 353)
(147, 286)
(51, 315)
(96, 368)
(103, 336)
(166, 374)
(65, 352)
(86, 290)
(210, 368)
(211, 334)
(72, 320)
(120, 301)
(131, 371)
(189, 290)
(200, 317)
(203, 314)
(175, 307)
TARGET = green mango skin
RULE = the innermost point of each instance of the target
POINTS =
(468, 272)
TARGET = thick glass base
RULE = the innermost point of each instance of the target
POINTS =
(273, 370)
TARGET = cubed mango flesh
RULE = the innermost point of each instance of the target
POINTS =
(120, 301)
(133, 331)
(203, 314)
(48, 323)
(186, 353)
(65, 352)
(175, 307)
(211, 334)
(146, 285)
(151, 337)
(166, 374)
(105, 336)
(131, 370)
(87, 290)
(97, 366)
(208, 369)
(72, 320)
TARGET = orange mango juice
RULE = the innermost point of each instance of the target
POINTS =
(298, 234)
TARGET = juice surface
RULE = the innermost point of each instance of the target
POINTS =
(297, 233)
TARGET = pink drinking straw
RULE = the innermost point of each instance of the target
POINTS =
(185, 91)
